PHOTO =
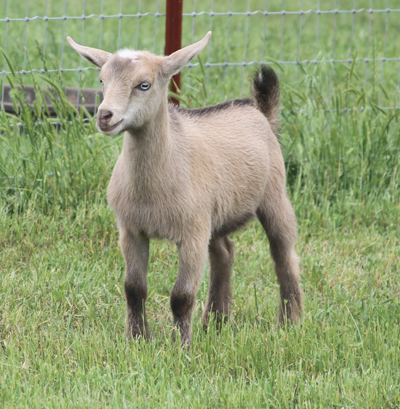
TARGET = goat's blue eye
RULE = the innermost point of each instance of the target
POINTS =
(144, 86)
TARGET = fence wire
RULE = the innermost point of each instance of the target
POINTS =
(305, 41)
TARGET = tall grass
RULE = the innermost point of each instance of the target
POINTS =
(342, 158)
(333, 157)
(48, 161)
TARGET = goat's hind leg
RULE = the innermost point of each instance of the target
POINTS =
(135, 248)
(277, 217)
(221, 252)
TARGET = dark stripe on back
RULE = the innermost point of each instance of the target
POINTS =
(210, 110)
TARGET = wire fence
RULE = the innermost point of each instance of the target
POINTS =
(315, 45)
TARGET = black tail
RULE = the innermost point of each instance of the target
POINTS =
(266, 95)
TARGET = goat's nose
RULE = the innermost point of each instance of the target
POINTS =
(104, 116)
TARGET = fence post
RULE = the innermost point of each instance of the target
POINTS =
(173, 38)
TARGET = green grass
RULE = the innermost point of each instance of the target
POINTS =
(62, 322)
(62, 311)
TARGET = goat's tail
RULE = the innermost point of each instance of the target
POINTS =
(266, 95)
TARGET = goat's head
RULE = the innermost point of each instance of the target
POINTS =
(134, 83)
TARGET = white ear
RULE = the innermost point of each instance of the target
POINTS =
(95, 56)
(173, 63)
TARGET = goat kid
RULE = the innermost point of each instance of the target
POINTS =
(193, 176)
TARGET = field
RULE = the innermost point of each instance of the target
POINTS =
(62, 311)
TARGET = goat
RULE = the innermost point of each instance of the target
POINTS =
(193, 176)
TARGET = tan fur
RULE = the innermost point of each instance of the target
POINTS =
(191, 178)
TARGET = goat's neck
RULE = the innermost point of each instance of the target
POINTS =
(147, 152)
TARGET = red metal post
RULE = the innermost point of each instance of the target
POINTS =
(173, 38)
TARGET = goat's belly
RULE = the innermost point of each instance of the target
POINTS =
(235, 203)
(232, 223)
(233, 211)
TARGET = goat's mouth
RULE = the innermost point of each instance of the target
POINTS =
(109, 128)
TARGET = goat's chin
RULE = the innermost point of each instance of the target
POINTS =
(115, 129)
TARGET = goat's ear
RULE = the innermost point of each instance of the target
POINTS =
(173, 63)
(95, 56)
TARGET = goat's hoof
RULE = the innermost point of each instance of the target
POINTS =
(290, 315)
(218, 318)
(137, 335)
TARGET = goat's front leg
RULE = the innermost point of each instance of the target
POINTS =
(135, 248)
(192, 258)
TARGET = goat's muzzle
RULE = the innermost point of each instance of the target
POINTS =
(103, 120)
(104, 117)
